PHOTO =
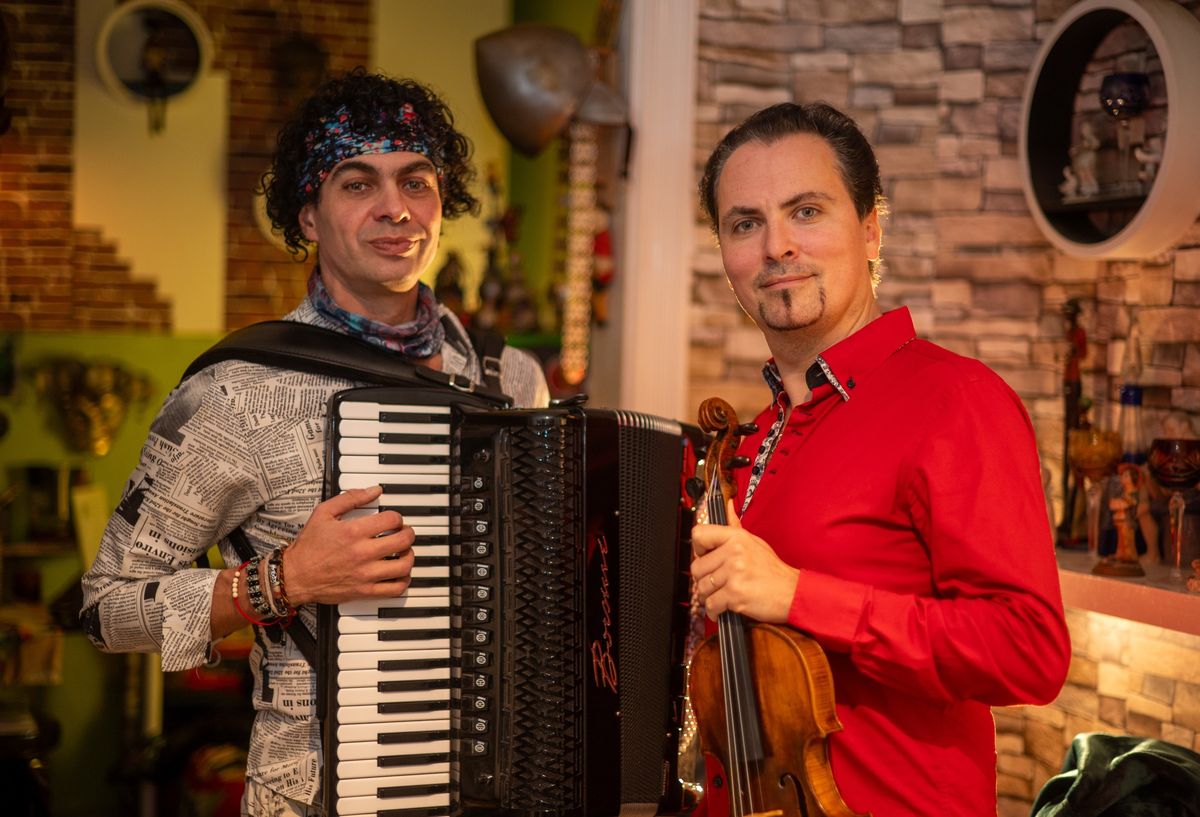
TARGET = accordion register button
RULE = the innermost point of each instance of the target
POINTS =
(472, 660)
(475, 592)
(476, 483)
(477, 725)
(477, 747)
(475, 703)
(477, 615)
(474, 504)
(473, 570)
(477, 637)
(479, 550)
(471, 680)
(478, 527)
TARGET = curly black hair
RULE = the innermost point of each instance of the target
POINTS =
(362, 95)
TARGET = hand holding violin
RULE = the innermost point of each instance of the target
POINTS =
(738, 572)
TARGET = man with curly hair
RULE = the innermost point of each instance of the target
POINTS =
(365, 172)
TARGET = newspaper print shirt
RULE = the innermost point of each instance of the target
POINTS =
(237, 445)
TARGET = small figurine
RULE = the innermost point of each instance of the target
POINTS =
(1083, 159)
(1069, 186)
(1125, 515)
(1149, 156)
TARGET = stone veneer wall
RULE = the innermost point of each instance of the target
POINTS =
(54, 276)
(937, 86)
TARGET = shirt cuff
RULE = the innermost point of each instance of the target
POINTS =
(829, 609)
(187, 618)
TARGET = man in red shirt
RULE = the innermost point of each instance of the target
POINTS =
(894, 507)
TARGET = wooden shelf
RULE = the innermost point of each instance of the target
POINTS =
(1150, 599)
(14, 550)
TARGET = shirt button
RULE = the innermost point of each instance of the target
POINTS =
(850, 383)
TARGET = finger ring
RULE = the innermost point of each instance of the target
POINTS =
(713, 582)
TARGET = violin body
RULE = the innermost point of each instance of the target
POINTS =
(794, 696)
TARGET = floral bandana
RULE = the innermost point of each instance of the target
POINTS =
(340, 136)
(418, 339)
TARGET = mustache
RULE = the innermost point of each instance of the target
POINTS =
(775, 270)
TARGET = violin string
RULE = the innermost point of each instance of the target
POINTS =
(731, 638)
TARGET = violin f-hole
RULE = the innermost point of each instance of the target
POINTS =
(797, 789)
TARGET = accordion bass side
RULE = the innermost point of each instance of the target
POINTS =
(535, 666)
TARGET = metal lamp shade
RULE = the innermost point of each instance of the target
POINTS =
(532, 78)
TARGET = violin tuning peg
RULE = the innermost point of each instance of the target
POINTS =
(746, 429)
(739, 462)
(694, 487)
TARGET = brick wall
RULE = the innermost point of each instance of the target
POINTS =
(262, 281)
(937, 87)
(55, 277)
(52, 276)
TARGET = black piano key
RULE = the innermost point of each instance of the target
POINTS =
(433, 539)
(415, 439)
(429, 581)
(414, 635)
(412, 417)
(412, 791)
(396, 665)
(413, 685)
(431, 561)
(414, 737)
(397, 707)
(413, 612)
(417, 510)
(423, 488)
(413, 459)
(414, 760)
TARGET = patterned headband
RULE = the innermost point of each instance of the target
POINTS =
(339, 137)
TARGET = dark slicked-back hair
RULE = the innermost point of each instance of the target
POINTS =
(856, 160)
(363, 96)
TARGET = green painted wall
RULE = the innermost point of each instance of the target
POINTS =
(88, 704)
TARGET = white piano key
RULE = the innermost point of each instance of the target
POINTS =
(375, 624)
(358, 642)
(370, 464)
(366, 696)
(371, 714)
(373, 750)
(371, 732)
(366, 410)
(362, 445)
(370, 784)
(352, 806)
(441, 521)
(358, 660)
(370, 480)
(371, 429)
(347, 679)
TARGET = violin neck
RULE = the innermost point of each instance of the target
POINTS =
(741, 706)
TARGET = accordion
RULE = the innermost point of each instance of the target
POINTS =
(535, 665)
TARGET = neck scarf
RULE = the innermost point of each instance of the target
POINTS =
(419, 339)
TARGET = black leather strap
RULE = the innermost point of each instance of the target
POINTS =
(299, 633)
(301, 346)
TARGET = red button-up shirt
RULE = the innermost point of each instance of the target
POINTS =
(909, 493)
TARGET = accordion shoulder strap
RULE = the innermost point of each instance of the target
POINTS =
(308, 348)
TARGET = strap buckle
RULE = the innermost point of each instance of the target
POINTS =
(490, 366)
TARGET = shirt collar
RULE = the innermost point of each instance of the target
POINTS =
(845, 363)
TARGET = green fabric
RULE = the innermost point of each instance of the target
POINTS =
(1123, 776)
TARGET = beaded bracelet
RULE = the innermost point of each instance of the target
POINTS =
(254, 588)
(236, 605)
(278, 595)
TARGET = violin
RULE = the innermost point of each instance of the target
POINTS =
(762, 694)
